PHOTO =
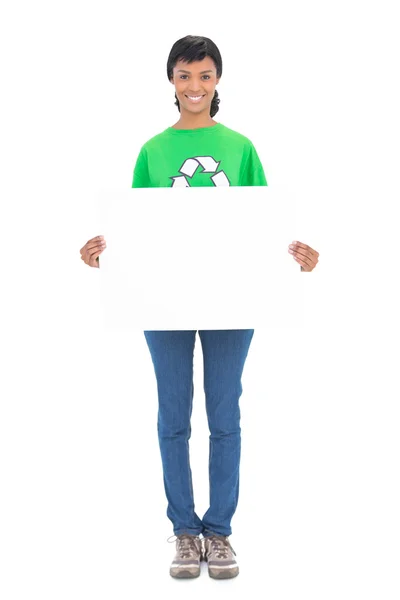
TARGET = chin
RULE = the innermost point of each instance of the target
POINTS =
(194, 107)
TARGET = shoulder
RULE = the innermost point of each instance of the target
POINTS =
(155, 140)
(228, 132)
(236, 136)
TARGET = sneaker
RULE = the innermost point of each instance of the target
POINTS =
(188, 556)
(219, 555)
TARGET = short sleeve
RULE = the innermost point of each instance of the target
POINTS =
(253, 172)
(141, 171)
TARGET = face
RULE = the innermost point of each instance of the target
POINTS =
(193, 80)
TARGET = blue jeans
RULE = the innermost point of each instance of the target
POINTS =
(224, 355)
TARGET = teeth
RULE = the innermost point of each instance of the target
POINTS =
(194, 97)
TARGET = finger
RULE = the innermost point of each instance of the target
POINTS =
(95, 245)
(90, 245)
(93, 242)
(305, 255)
(95, 253)
(305, 247)
(303, 264)
(301, 246)
(94, 257)
(90, 255)
(89, 252)
(310, 262)
(305, 261)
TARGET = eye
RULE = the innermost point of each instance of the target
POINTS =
(180, 77)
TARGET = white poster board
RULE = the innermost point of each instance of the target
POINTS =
(198, 258)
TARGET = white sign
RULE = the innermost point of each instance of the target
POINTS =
(198, 258)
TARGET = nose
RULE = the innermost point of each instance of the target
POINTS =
(198, 91)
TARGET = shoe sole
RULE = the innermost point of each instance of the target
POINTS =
(185, 574)
(223, 574)
(182, 573)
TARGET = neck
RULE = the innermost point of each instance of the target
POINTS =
(194, 121)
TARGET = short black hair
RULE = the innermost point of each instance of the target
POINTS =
(193, 48)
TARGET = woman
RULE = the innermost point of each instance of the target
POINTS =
(199, 151)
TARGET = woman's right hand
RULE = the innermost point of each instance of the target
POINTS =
(91, 251)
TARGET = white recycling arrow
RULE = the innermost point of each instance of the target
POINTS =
(190, 165)
(220, 179)
(179, 181)
(208, 164)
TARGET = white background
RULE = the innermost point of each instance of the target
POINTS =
(314, 85)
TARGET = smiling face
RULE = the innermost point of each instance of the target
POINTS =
(195, 84)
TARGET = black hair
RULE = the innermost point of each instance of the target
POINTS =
(193, 48)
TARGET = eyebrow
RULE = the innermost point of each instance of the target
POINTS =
(201, 72)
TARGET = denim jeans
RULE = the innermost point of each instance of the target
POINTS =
(224, 355)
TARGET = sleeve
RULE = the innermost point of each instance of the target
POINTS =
(253, 172)
(141, 178)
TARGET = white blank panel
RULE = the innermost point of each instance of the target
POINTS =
(198, 258)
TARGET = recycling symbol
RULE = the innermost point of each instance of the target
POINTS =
(208, 165)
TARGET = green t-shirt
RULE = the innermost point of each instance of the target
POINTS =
(207, 156)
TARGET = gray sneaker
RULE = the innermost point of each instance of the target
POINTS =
(219, 555)
(188, 556)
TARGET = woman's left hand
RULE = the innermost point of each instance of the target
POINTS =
(304, 255)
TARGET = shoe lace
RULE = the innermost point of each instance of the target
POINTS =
(186, 545)
(220, 545)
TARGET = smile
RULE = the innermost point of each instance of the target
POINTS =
(194, 98)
